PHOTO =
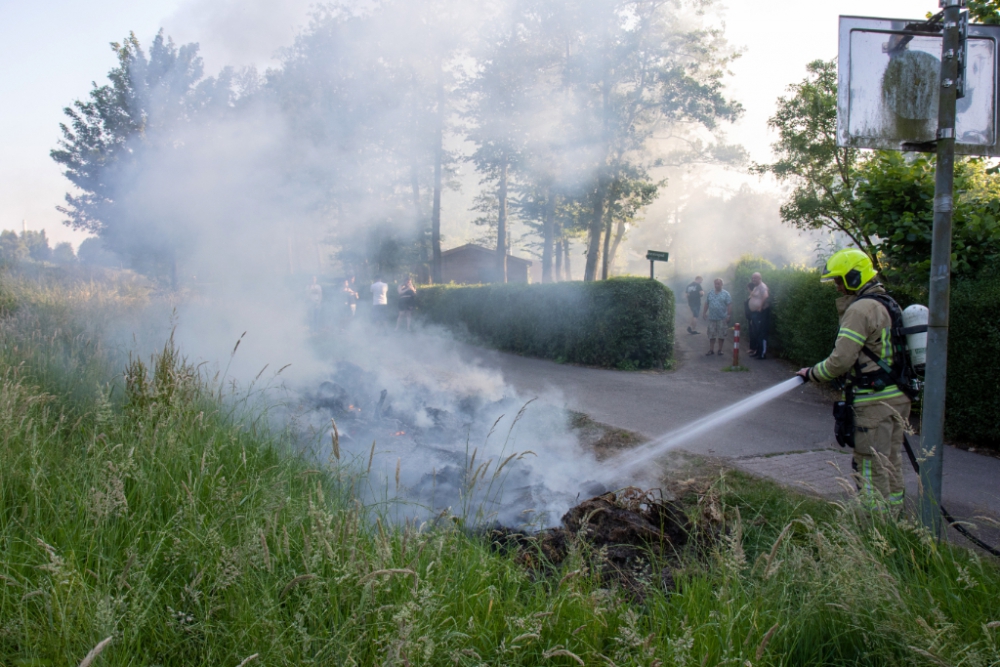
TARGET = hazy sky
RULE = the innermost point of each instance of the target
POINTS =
(51, 51)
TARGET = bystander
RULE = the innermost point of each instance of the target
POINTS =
(718, 311)
(694, 293)
(760, 309)
(380, 302)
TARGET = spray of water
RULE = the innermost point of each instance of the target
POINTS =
(649, 451)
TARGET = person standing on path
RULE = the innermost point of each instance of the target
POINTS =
(380, 302)
(718, 311)
(694, 293)
(875, 409)
(407, 300)
(350, 300)
(760, 304)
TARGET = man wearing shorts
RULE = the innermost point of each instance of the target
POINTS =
(718, 311)
(694, 293)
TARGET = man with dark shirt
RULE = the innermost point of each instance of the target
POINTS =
(694, 293)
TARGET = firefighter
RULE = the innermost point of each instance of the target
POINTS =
(875, 409)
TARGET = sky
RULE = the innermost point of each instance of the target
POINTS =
(51, 51)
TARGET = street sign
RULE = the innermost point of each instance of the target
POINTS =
(655, 256)
(889, 82)
(928, 86)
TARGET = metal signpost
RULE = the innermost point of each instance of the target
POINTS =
(892, 101)
(655, 256)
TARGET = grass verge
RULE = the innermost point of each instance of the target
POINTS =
(146, 512)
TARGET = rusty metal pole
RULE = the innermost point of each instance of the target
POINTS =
(932, 423)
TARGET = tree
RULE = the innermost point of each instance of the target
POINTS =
(636, 67)
(895, 196)
(824, 175)
(63, 254)
(104, 146)
(37, 244)
(502, 107)
(12, 248)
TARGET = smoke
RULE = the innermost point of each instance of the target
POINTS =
(242, 185)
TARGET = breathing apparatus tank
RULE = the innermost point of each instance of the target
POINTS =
(916, 343)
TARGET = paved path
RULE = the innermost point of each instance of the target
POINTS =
(789, 440)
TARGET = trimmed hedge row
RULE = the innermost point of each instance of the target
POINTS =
(973, 400)
(625, 323)
(804, 327)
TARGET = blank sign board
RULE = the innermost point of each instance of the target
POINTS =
(888, 83)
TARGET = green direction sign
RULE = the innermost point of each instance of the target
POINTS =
(657, 255)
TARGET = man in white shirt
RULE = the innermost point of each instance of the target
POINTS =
(760, 305)
(380, 302)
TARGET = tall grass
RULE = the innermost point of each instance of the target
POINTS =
(160, 519)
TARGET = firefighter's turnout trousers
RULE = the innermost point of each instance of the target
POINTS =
(878, 450)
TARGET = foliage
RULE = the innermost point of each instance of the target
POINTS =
(624, 323)
(895, 196)
(37, 244)
(824, 175)
(63, 253)
(984, 11)
(12, 248)
(106, 147)
(973, 411)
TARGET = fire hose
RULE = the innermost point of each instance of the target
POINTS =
(954, 523)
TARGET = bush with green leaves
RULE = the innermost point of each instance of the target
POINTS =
(625, 323)
(895, 201)
(972, 406)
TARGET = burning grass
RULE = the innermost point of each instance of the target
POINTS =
(156, 526)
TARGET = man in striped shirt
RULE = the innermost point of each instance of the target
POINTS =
(880, 408)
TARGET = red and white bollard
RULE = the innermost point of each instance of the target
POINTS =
(736, 345)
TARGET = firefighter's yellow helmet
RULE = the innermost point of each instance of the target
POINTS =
(852, 266)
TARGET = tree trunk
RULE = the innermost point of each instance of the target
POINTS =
(608, 215)
(569, 269)
(502, 223)
(619, 233)
(559, 251)
(417, 215)
(594, 232)
(548, 224)
(436, 207)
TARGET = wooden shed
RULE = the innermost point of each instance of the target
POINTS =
(470, 264)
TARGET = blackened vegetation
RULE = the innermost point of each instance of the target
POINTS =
(363, 410)
(632, 538)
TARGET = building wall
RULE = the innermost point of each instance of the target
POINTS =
(472, 266)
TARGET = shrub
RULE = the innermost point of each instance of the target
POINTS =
(624, 322)
(973, 409)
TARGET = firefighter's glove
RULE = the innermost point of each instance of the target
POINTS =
(804, 374)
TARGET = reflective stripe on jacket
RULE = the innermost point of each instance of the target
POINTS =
(866, 323)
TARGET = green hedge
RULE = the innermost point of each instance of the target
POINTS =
(625, 323)
(972, 412)
(804, 328)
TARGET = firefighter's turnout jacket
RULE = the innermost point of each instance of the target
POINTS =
(880, 415)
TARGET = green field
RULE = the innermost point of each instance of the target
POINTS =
(142, 503)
